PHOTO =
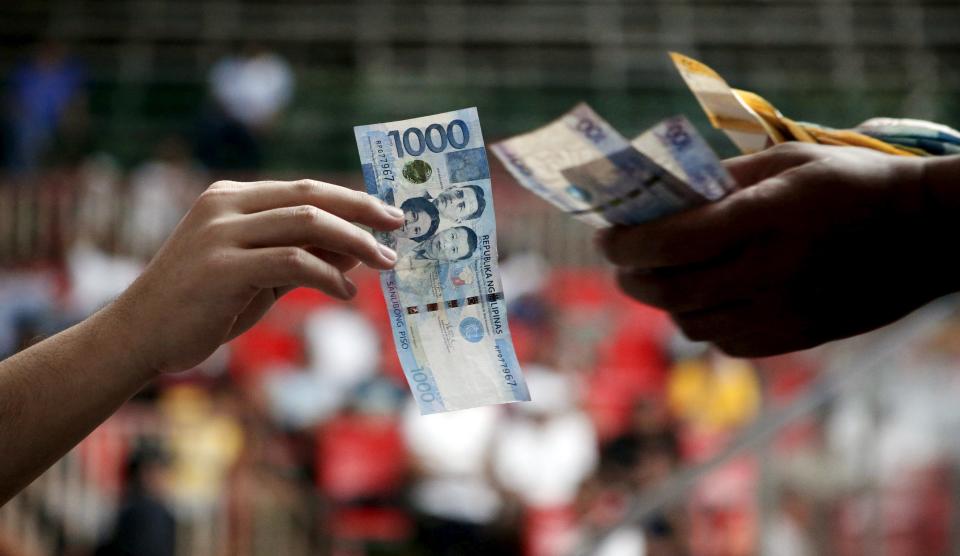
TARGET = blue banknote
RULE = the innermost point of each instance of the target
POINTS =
(539, 158)
(676, 144)
(583, 166)
(444, 297)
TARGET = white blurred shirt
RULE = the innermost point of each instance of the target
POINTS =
(97, 278)
(158, 199)
(453, 450)
(343, 350)
(252, 90)
(546, 451)
(545, 463)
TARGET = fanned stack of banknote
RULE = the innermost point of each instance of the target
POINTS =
(444, 297)
(584, 167)
(753, 124)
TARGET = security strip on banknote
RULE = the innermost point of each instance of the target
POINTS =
(444, 297)
(584, 167)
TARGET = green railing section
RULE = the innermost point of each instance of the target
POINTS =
(521, 62)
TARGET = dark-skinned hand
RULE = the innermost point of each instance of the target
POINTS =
(819, 243)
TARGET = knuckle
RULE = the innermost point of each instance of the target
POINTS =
(831, 171)
(223, 184)
(213, 197)
(361, 243)
(308, 215)
(365, 201)
(750, 207)
(790, 147)
(220, 261)
(215, 228)
(307, 187)
(292, 258)
(365, 239)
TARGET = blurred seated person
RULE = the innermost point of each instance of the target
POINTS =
(46, 105)
(458, 507)
(251, 89)
(145, 526)
(161, 191)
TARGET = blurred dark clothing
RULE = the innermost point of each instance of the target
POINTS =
(42, 92)
(251, 89)
(445, 537)
(145, 527)
(629, 449)
(225, 144)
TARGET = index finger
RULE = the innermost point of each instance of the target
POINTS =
(349, 204)
(694, 236)
(753, 168)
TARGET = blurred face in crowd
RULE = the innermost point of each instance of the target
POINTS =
(459, 203)
(451, 244)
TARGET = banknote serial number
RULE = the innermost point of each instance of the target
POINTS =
(414, 141)
(505, 370)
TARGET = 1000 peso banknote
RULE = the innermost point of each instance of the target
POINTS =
(444, 297)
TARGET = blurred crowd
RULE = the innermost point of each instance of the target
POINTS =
(45, 117)
(300, 437)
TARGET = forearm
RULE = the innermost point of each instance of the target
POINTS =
(54, 393)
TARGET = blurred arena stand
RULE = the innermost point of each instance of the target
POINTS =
(283, 443)
(520, 62)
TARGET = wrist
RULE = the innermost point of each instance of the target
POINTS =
(114, 333)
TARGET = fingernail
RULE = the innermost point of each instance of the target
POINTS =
(388, 253)
(350, 287)
(393, 211)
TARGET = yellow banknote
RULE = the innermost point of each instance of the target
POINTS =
(727, 112)
(753, 123)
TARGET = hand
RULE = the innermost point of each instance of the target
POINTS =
(822, 243)
(241, 247)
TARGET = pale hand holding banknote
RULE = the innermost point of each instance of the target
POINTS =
(444, 297)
